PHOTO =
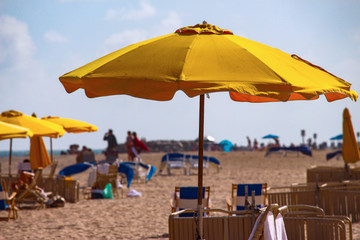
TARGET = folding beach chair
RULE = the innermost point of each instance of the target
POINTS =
(30, 194)
(7, 202)
(242, 196)
(186, 198)
(193, 161)
(173, 161)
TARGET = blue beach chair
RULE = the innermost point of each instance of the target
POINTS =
(186, 198)
(241, 196)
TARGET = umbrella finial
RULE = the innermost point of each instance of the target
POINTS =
(204, 22)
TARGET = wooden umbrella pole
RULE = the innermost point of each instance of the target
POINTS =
(51, 149)
(10, 155)
(200, 165)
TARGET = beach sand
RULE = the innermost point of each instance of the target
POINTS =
(146, 217)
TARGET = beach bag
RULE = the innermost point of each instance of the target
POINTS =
(108, 191)
(97, 194)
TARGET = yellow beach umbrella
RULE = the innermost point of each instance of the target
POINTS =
(350, 148)
(201, 59)
(10, 131)
(39, 128)
(72, 125)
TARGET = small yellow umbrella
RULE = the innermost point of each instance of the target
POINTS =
(10, 131)
(72, 125)
(201, 59)
(350, 148)
(39, 128)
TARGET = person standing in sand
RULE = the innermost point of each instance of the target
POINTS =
(129, 144)
(111, 139)
(138, 144)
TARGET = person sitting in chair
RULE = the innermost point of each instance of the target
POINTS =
(24, 166)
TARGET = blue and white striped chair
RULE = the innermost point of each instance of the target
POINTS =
(7, 203)
(187, 198)
(242, 192)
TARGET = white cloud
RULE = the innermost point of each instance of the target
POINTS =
(17, 47)
(120, 40)
(356, 38)
(171, 23)
(20, 71)
(145, 11)
(53, 36)
(111, 14)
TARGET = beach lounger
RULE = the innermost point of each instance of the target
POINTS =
(7, 202)
(193, 161)
(242, 194)
(173, 161)
(186, 198)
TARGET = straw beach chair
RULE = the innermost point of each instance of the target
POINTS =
(102, 179)
(7, 202)
(310, 222)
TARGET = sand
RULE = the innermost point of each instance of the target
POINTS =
(146, 217)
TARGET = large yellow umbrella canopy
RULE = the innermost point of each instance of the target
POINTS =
(202, 59)
(72, 125)
(8, 131)
(350, 148)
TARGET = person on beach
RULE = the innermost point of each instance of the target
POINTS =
(129, 144)
(249, 142)
(24, 166)
(138, 144)
(111, 139)
(255, 144)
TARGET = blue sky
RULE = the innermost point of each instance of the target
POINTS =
(44, 39)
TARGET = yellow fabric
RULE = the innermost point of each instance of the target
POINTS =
(72, 125)
(202, 59)
(13, 131)
(350, 148)
(38, 127)
(39, 156)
